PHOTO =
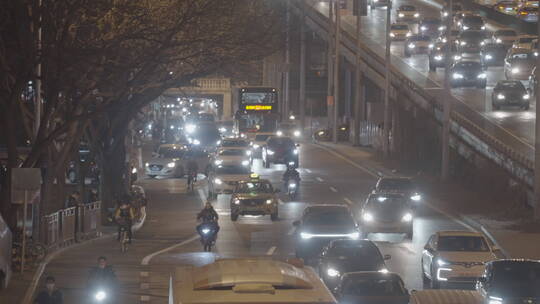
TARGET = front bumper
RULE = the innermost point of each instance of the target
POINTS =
(509, 101)
(281, 158)
(468, 82)
(398, 36)
(459, 273)
(163, 172)
(387, 227)
(519, 76)
(254, 209)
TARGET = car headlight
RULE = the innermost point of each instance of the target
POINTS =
(101, 295)
(441, 28)
(488, 57)
(296, 133)
(482, 43)
(245, 162)
(222, 129)
(218, 161)
(409, 34)
(498, 40)
(236, 201)
(416, 15)
(368, 217)
(482, 75)
(500, 96)
(465, 27)
(457, 76)
(438, 57)
(134, 170)
(205, 230)
(248, 152)
(190, 128)
(279, 133)
(431, 45)
(331, 272)
(495, 300)
(256, 146)
(445, 14)
(269, 152)
(462, 43)
(218, 181)
(268, 201)
(411, 45)
(482, 27)
(423, 28)
(526, 96)
(515, 70)
(218, 142)
(292, 185)
(457, 57)
(295, 151)
(171, 127)
(407, 217)
(320, 133)
(354, 235)
(196, 142)
(305, 235)
(384, 270)
(416, 197)
(392, 35)
(171, 165)
(401, 15)
(146, 164)
(441, 262)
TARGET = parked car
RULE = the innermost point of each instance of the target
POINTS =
(519, 63)
(417, 44)
(455, 257)
(372, 287)
(510, 93)
(468, 73)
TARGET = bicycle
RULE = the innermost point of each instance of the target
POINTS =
(191, 180)
(34, 253)
(124, 239)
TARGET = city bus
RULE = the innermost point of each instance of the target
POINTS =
(257, 111)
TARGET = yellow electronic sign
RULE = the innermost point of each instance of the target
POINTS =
(259, 107)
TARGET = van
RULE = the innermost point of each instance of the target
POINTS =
(5, 254)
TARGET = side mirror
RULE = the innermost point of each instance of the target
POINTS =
(427, 247)
(387, 257)
(296, 223)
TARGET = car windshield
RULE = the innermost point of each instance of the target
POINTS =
(470, 35)
(261, 137)
(366, 287)
(506, 33)
(431, 21)
(386, 200)
(400, 27)
(520, 56)
(255, 187)
(236, 170)
(395, 184)
(526, 39)
(473, 20)
(530, 9)
(462, 243)
(171, 153)
(495, 47)
(281, 141)
(232, 152)
(518, 279)
(407, 8)
(366, 252)
(234, 143)
(331, 216)
(468, 65)
(512, 85)
(420, 38)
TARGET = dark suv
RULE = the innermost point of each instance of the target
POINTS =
(468, 73)
(510, 281)
(279, 150)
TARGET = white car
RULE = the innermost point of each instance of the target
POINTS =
(167, 161)
(407, 13)
(232, 156)
(234, 143)
(289, 129)
(400, 31)
(524, 42)
(455, 257)
(223, 178)
(258, 141)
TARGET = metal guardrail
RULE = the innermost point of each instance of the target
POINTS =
(517, 163)
(90, 220)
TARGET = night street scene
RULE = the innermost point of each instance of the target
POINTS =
(269, 152)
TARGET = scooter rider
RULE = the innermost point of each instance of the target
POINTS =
(208, 216)
(102, 281)
(291, 173)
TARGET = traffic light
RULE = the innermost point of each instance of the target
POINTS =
(360, 7)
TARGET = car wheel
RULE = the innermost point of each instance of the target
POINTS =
(425, 279)
(234, 216)
(151, 176)
(274, 216)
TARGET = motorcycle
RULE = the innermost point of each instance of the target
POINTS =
(101, 295)
(292, 188)
(208, 236)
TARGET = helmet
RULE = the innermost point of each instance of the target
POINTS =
(208, 204)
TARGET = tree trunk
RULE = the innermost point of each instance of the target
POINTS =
(113, 181)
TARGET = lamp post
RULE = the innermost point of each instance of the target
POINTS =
(447, 98)
(387, 84)
(336, 72)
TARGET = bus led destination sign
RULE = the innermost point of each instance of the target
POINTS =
(259, 107)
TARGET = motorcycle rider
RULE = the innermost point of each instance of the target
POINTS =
(124, 216)
(291, 173)
(102, 276)
(208, 216)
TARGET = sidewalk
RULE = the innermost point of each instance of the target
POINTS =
(510, 226)
(22, 287)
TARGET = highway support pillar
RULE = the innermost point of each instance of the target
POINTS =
(286, 85)
(447, 99)
(336, 73)
(359, 105)
(302, 90)
(387, 118)
(330, 64)
(537, 143)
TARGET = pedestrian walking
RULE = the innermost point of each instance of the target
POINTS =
(51, 295)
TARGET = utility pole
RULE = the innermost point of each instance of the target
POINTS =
(537, 143)
(302, 93)
(447, 98)
(360, 9)
(286, 96)
(336, 73)
(386, 126)
(330, 65)
(38, 105)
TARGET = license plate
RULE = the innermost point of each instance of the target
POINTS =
(154, 168)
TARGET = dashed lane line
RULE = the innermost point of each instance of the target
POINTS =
(319, 179)
(348, 201)
(333, 189)
(271, 250)
(308, 170)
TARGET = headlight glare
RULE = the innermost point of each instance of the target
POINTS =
(218, 181)
(368, 217)
(407, 217)
(171, 165)
(332, 272)
(500, 96)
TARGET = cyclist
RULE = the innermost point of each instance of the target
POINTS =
(124, 216)
(192, 169)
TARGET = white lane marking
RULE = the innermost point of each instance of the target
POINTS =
(146, 260)
(333, 189)
(348, 201)
(291, 232)
(280, 201)
(202, 195)
(271, 250)
(308, 170)
(319, 179)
